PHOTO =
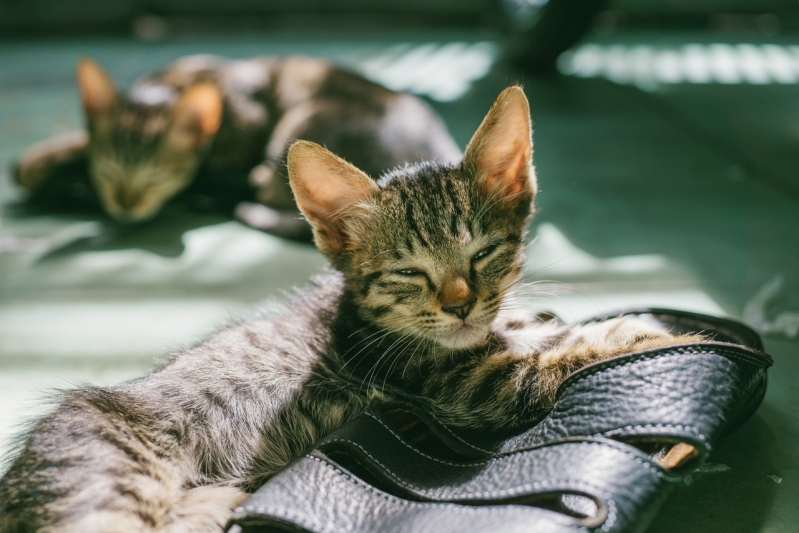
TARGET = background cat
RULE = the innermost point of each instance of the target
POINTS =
(211, 119)
(423, 262)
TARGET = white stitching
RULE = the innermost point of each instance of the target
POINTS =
(457, 437)
(395, 476)
(634, 456)
(685, 349)
(611, 519)
(396, 436)
(659, 472)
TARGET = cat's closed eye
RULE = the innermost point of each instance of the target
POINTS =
(485, 252)
(410, 272)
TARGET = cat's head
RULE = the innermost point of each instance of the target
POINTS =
(144, 146)
(428, 250)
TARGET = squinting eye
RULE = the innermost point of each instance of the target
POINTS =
(409, 272)
(484, 252)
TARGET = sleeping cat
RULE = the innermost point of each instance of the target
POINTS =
(211, 119)
(422, 263)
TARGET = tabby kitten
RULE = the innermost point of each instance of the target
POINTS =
(213, 119)
(422, 261)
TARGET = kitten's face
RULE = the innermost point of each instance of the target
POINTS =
(145, 146)
(134, 166)
(430, 251)
(438, 257)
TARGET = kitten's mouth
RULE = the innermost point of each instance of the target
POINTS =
(464, 336)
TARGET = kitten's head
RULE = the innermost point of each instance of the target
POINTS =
(144, 146)
(429, 250)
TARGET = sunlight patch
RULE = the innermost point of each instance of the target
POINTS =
(442, 72)
(648, 66)
(574, 284)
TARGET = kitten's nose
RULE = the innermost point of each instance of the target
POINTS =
(457, 298)
(460, 311)
(127, 199)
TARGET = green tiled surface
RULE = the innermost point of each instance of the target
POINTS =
(646, 199)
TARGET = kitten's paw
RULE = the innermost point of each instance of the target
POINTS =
(272, 187)
(30, 174)
(206, 509)
(647, 332)
(38, 162)
(517, 320)
(262, 175)
(280, 223)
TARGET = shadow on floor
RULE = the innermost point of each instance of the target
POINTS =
(735, 492)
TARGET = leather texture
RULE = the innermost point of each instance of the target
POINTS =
(581, 468)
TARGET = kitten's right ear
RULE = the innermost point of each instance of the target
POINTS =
(97, 89)
(197, 116)
(331, 193)
(499, 155)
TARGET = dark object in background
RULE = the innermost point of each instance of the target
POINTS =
(536, 32)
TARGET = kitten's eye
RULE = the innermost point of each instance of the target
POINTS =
(484, 252)
(409, 272)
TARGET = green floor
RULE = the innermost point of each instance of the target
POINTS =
(680, 194)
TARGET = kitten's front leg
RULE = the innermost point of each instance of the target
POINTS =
(518, 385)
(41, 161)
(584, 344)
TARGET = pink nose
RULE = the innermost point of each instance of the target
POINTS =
(457, 298)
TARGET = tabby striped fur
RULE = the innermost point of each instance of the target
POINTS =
(422, 263)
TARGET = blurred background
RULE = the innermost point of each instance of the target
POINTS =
(666, 144)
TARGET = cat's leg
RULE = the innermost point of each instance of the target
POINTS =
(175, 450)
(583, 344)
(206, 508)
(283, 223)
(518, 385)
(270, 178)
(41, 161)
(276, 211)
(588, 343)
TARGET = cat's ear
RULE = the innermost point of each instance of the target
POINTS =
(499, 155)
(331, 193)
(97, 89)
(196, 116)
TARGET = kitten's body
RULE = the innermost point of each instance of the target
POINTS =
(148, 144)
(422, 264)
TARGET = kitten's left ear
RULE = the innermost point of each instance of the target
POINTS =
(331, 193)
(499, 154)
(196, 116)
(97, 89)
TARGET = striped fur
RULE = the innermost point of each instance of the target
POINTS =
(178, 449)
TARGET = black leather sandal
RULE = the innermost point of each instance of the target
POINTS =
(589, 465)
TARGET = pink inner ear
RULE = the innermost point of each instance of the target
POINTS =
(326, 187)
(198, 115)
(506, 168)
(322, 199)
(96, 88)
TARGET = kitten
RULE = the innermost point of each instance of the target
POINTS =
(422, 262)
(215, 118)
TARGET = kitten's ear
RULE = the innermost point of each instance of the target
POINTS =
(196, 116)
(97, 89)
(331, 193)
(499, 154)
